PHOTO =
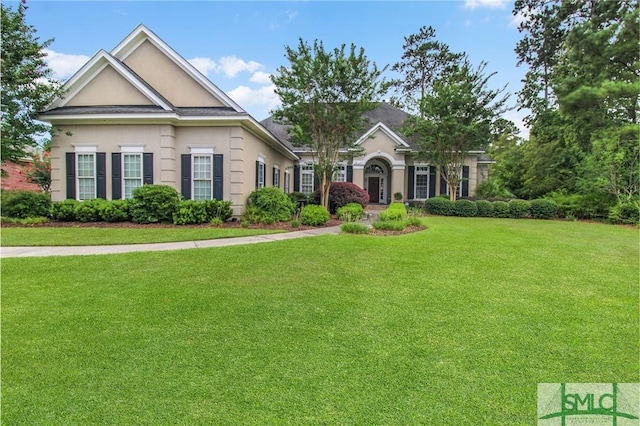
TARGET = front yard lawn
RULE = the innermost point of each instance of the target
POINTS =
(88, 236)
(455, 325)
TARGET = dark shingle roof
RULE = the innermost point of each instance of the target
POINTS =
(384, 113)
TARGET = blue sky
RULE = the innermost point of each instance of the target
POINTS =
(237, 44)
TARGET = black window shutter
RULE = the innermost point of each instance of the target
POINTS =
(218, 189)
(465, 181)
(296, 178)
(316, 181)
(71, 175)
(257, 173)
(273, 177)
(147, 168)
(185, 160)
(116, 176)
(443, 184)
(350, 174)
(411, 183)
(432, 181)
(101, 169)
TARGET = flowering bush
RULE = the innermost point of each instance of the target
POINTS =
(343, 193)
(40, 171)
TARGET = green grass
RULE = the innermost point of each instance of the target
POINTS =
(13, 237)
(455, 325)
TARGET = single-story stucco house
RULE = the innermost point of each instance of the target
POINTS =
(143, 114)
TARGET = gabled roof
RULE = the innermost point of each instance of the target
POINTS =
(141, 34)
(96, 64)
(383, 117)
(382, 127)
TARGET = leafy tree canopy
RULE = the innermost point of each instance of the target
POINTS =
(324, 94)
(27, 84)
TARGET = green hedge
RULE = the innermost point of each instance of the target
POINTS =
(154, 203)
(465, 208)
(543, 209)
(485, 208)
(440, 206)
(314, 215)
(519, 208)
(23, 204)
(501, 209)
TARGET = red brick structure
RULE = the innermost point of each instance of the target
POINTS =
(13, 179)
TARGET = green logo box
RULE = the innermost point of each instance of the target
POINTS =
(593, 404)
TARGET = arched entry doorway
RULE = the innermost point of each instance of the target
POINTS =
(376, 180)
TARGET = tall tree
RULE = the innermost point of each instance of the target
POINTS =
(324, 94)
(27, 83)
(424, 59)
(457, 116)
(583, 87)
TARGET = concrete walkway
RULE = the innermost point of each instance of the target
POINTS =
(6, 252)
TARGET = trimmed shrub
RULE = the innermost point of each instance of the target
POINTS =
(354, 228)
(252, 215)
(273, 203)
(519, 208)
(352, 212)
(190, 212)
(543, 209)
(218, 210)
(314, 215)
(501, 209)
(343, 193)
(626, 213)
(439, 205)
(389, 225)
(154, 203)
(90, 210)
(396, 211)
(465, 208)
(64, 211)
(485, 208)
(23, 204)
(414, 221)
(115, 211)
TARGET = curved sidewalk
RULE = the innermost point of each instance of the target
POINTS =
(6, 252)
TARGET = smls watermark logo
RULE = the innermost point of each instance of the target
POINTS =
(568, 404)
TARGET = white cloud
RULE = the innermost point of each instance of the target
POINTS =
(204, 65)
(261, 77)
(472, 4)
(232, 65)
(264, 96)
(64, 65)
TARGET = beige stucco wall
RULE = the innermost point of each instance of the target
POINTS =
(108, 88)
(239, 147)
(168, 78)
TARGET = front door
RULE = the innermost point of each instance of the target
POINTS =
(374, 189)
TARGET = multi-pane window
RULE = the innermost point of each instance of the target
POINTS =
(306, 179)
(422, 182)
(261, 174)
(202, 177)
(276, 177)
(341, 173)
(287, 179)
(86, 174)
(131, 173)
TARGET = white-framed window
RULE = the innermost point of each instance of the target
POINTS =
(340, 174)
(86, 175)
(261, 173)
(276, 176)
(306, 178)
(422, 182)
(287, 180)
(131, 173)
(202, 176)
